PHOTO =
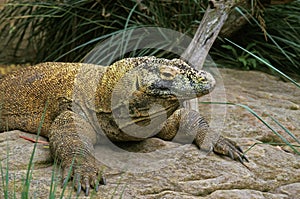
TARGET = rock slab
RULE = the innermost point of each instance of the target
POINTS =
(160, 169)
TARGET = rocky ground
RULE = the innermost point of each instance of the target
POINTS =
(172, 170)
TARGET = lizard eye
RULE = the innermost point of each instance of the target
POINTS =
(167, 73)
(167, 76)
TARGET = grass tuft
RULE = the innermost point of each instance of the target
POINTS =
(278, 45)
(65, 30)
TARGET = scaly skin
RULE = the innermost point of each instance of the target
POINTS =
(87, 102)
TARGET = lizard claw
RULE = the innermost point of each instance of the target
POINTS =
(103, 180)
(227, 147)
(65, 182)
(78, 189)
(97, 183)
(77, 184)
(85, 176)
(87, 186)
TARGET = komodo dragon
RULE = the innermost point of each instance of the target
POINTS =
(86, 102)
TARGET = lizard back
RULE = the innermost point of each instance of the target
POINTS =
(24, 93)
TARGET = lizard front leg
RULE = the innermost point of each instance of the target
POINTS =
(71, 142)
(187, 126)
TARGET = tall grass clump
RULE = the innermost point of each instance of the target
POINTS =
(54, 28)
(279, 45)
(68, 30)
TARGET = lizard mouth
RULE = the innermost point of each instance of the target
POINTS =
(180, 94)
(182, 87)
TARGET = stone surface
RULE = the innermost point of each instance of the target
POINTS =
(172, 170)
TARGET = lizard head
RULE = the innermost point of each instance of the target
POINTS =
(164, 78)
(143, 90)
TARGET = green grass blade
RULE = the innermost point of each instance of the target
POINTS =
(4, 176)
(285, 129)
(53, 184)
(15, 188)
(26, 186)
(123, 45)
(262, 120)
(67, 179)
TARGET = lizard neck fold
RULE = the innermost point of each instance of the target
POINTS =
(110, 79)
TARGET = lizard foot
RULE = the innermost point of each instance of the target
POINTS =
(85, 175)
(227, 147)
